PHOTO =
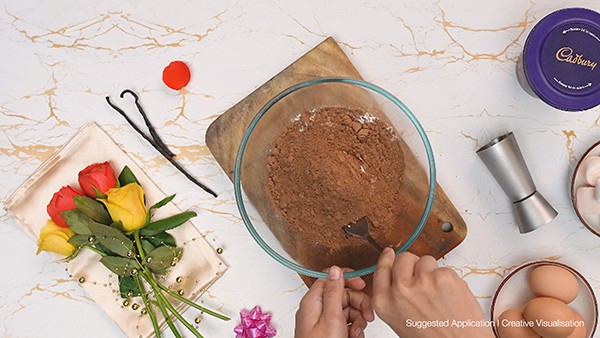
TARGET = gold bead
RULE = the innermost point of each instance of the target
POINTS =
(92, 239)
(133, 272)
(144, 311)
(135, 306)
(179, 279)
(219, 250)
(180, 292)
(197, 320)
(126, 302)
(129, 294)
(148, 259)
(81, 280)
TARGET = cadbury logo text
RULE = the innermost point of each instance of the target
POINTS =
(566, 54)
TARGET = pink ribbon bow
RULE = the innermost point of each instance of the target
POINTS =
(255, 324)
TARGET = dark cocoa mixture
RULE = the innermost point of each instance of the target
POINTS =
(330, 168)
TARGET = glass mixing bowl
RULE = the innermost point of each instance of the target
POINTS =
(266, 222)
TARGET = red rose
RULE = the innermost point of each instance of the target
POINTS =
(98, 175)
(62, 201)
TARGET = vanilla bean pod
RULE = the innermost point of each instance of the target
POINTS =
(149, 125)
(154, 139)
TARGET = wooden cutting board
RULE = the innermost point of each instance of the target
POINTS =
(224, 135)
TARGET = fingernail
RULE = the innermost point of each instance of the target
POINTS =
(387, 250)
(335, 273)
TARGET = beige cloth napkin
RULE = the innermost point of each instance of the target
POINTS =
(199, 267)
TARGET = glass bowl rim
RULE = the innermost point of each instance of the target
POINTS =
(238, 163)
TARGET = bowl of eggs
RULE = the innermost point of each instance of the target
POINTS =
(544, 299)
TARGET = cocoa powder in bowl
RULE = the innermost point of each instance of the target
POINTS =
(329, 168)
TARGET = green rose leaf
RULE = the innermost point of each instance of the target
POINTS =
(79, 240)
(127, 285)
(147, 246)
(103, 249)
(77, 221)
(159, 271)
(126, 176)
(120, 265)
(112, 239)
(93, 209)
(161, 238)
(163, 202)
(168, 223)
(162, 258)
(117, 225)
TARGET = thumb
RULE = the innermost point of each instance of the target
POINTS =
(333, 295)
(382, 279)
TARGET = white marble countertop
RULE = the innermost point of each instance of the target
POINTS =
(452, 62)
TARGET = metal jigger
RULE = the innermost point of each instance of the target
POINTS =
(504, 160)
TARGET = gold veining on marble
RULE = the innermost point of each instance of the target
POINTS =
(49, 289)
(181, 109)
(466, 271)
(192, 153)
(40, 152)
(85, 35)
(570, 136)
(212, 296)
(472, 138)
(501, 56)
(496, 270)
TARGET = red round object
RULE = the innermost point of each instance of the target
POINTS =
(176, 75)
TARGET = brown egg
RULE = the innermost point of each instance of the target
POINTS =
(511, 324)
(580, 331)
(554, 281)
(549, 316)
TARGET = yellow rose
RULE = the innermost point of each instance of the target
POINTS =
(126, 204)
(54, 238)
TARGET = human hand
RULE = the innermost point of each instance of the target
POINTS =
(329, 309)
(409, 292)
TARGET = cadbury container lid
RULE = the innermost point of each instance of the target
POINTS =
(560, 59)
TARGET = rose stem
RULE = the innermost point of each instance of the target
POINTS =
(179, 316)
(162, 300)
(136, 235)
(138, 244)
(161, 306)
(99, 252)
(148, 306)
(192, 304)
(157, 143)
